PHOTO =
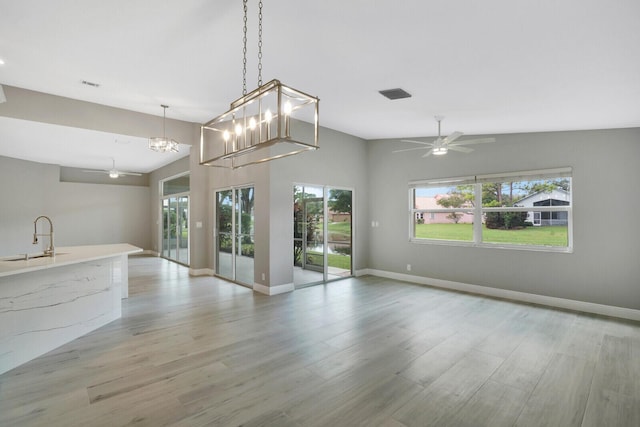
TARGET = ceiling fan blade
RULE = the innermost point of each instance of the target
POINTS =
(428, 153)
(449, 139)
(460, 149)
(410, 149)
(106, 172)
(417, 142)
(475, 141)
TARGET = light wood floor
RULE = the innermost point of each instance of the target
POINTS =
(359, 352)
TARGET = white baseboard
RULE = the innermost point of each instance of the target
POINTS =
(363, 272)
(273, 290)
(587, 307)
(201, 272)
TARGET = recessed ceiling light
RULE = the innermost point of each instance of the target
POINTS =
(1, 61)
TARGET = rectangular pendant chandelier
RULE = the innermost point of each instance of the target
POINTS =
(269, 123)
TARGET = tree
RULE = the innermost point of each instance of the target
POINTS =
(340, 201)
(453, 200)
(492, 193)
(307, 214)
(547, 186)
(455, 217)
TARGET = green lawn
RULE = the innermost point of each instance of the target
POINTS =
(543, 236)
(340, 227)
(335, 260)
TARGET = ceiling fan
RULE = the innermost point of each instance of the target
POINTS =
(441, 145)
(113, 172)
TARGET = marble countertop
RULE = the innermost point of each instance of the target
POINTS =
(65, 256)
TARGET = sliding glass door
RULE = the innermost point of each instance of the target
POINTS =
(235, 235)
(175, 219)
(322, 235)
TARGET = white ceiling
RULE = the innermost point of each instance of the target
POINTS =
(80, 148)
(492, 66)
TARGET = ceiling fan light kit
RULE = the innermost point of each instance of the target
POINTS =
(162, 144)
(265, 124)
(440, 151)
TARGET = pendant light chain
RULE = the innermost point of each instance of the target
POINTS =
(164, 120)
(244, 51)
(260, 43)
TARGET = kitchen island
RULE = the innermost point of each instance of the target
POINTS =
(48, 301)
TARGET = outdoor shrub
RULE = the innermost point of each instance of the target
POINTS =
(494, 220)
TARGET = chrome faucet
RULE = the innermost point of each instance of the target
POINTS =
(50, 251)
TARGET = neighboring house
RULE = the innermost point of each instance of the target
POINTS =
(557, 197)
(439, 217)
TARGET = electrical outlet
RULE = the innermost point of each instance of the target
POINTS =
(264, 277)
(408, 267)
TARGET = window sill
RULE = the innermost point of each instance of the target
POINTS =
(531, 248)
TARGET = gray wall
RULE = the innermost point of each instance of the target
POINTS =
(603, 267)
(82, 214)
(340, 162)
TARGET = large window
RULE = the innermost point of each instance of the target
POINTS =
(525, 210)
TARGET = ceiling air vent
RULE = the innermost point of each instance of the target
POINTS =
(395, 93)
(92, 84)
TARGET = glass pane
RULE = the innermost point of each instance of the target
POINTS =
(245, 244)
(541, 192)
(456, 226)
(298, 224)
(314, 234)
(183, 230)
(224, 211)
(244, 259)
(177, 185)
(244, 206)
(526, 228)
(224, 258)
(224, 241)
(339, 233)
(308, 235)
(166, 230)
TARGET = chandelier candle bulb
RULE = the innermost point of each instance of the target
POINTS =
(237, 139)
(226, 136)
(252, 127)
(287, 119)
(268, 117)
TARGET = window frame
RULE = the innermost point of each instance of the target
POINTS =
(479, 210)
